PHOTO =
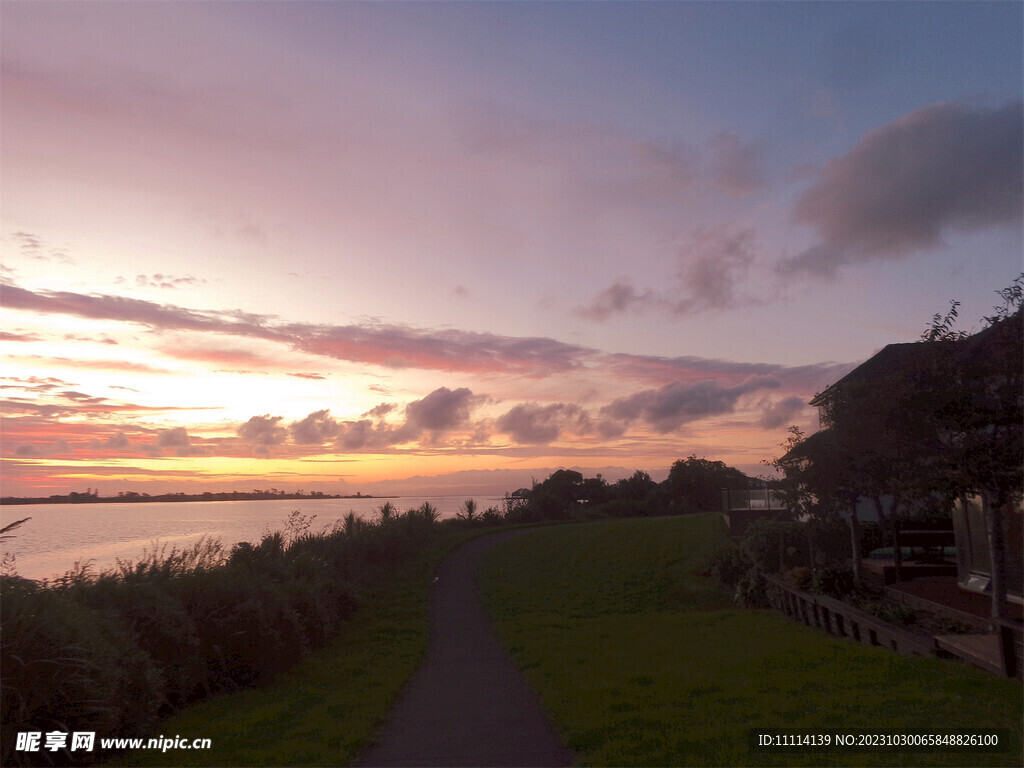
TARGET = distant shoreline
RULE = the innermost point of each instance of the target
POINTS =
(134, 498)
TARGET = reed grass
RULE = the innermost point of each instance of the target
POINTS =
(113, 651)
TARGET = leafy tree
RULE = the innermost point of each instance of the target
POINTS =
(695, 485)
(635, 487)
(594, 490)
(1012, 298)
(793, 487)
(823, 475)
(556, 496)
(941, 328)
(922, 422)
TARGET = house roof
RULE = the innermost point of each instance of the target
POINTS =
(892, 359)
(989, 347)
(820, 440)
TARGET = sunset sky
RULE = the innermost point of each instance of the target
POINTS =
(425, 248)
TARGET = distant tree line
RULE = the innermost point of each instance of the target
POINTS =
(693, 485)
(91, 496)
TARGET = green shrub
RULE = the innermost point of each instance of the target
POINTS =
(893, 613)
(492, 516)
(775, 546)
(67, 667)
(160, 626)
(733, 568)
(836, 580)
(620, 508)
(108, 652)
(751, 590)
(247, 630)
(727, 565)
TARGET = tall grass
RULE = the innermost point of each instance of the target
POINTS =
(329, 706)
(113, 651)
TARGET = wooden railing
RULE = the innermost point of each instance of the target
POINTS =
(1002, 652)
(842, 620)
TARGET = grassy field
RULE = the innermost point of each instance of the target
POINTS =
(327, 707)
(642, 662)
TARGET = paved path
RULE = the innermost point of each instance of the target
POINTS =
(468, 704)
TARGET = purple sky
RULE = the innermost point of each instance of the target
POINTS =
(420, 246)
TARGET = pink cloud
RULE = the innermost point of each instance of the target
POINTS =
(386, 345)
(7, 336)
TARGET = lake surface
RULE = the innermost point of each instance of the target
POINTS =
(59, 535)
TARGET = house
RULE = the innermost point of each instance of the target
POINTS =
(928, 421)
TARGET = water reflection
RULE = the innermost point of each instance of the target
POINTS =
(59, 535)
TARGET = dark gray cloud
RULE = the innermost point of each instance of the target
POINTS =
(713, 264)
(82, 398)
(448, 350)
(20, 405)
(358, 435)
(120, 308)
(178, 440)
(263, 431)
(380, 411)
(117, 442)
(946, 167)
(316, 429)
(619, 297)
(782, 412)
(442, 410)
(666, 409)
(534, 423)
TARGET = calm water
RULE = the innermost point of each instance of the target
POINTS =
(59, 535)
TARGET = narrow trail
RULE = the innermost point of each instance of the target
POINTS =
(468, 705)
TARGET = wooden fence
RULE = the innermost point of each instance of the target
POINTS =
(999, 652)
(838, 618)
